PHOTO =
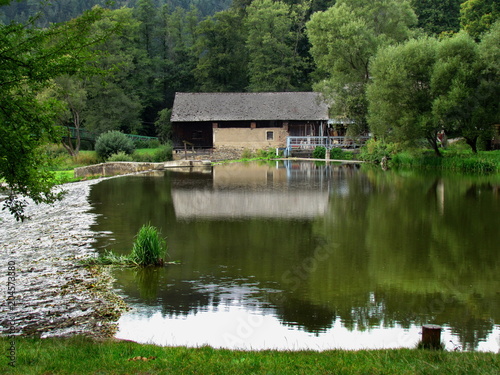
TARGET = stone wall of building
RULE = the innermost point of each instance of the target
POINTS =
(249, 138)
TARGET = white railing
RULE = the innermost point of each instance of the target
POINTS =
(310, 143)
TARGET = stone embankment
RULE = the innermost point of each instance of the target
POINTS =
(40, 271)
(122, 167)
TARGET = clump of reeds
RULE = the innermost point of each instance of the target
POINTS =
(149, 249)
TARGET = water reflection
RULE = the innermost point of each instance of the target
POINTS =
(337, 257)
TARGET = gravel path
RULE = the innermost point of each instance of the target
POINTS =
(39, 271)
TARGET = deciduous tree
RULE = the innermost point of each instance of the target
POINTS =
(400, 96)
(222, 62)
(466, 88)
(343, 40)
(438, 16)
(29, 59)
(477, 16)
(274, 59)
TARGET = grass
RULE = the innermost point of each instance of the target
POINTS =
(63, 165)
(149, 249)
(459, 161)
(79, 355)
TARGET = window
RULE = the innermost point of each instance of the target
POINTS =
(270, 136)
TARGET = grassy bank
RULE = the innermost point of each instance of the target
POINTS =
(83, 356)
(63, 165)
(482, 162)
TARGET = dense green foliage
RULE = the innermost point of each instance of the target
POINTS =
(113, 142)
(344, 38)
(477, 16)
(438, 16)
(30, 59)
(319, 153)
(483, 162)
(80, 355)
(450, 84)
(149, 248)
(119, 68)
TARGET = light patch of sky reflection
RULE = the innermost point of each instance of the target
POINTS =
(237, 327)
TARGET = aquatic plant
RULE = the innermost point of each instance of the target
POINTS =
(149, 247)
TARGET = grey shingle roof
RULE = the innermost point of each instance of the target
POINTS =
(193, 107)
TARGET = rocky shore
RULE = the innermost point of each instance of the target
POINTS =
(45, 291)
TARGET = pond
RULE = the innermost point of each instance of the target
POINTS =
(294, 255)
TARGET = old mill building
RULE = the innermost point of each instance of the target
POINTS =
(246, 120)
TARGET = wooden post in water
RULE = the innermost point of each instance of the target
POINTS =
(431, 336)
(327, 154)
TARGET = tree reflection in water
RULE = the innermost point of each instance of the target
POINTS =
(316, 245)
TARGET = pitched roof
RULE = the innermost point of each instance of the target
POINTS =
(194, 107)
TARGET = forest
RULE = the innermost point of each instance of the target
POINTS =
(403, 70)
(159, 47)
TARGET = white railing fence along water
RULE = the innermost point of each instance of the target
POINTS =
(310, 143)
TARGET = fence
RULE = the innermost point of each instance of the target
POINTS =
(310, 143)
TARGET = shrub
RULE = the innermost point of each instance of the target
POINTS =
(113, 142)
(338, 153)
(149, 248)
(55, 150)
(266, 154)
(319, 152)
(120, 156)
(375, 151)
(86, 158)
(146, 143)
(164, 153)
(246, 154)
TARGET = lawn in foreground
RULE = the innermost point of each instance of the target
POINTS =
(79, 355)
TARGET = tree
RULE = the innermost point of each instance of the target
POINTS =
(477, 16)
(344, 38)
(178, 34)
(466, 87)
(72, 96)
(29, 59)
(438, 16)
(145, 13)
(274, 60)
(115, 100)
(400, 96)
(222, 63)
(163, 125)
(424, 86)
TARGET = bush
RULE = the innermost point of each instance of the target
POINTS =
(86, 158)
(246, 154)
(319, 152)
(146, 143)
(112, 143)
(375, 151)
(164, 153)
(120, 156)
(149, 248)
(266, 154)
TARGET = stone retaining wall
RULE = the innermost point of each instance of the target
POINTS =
(120, 168)
(115, 168)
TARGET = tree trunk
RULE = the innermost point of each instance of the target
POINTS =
(472, 142)
(433, 142)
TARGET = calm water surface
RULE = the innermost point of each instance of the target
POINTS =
(298, 256)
